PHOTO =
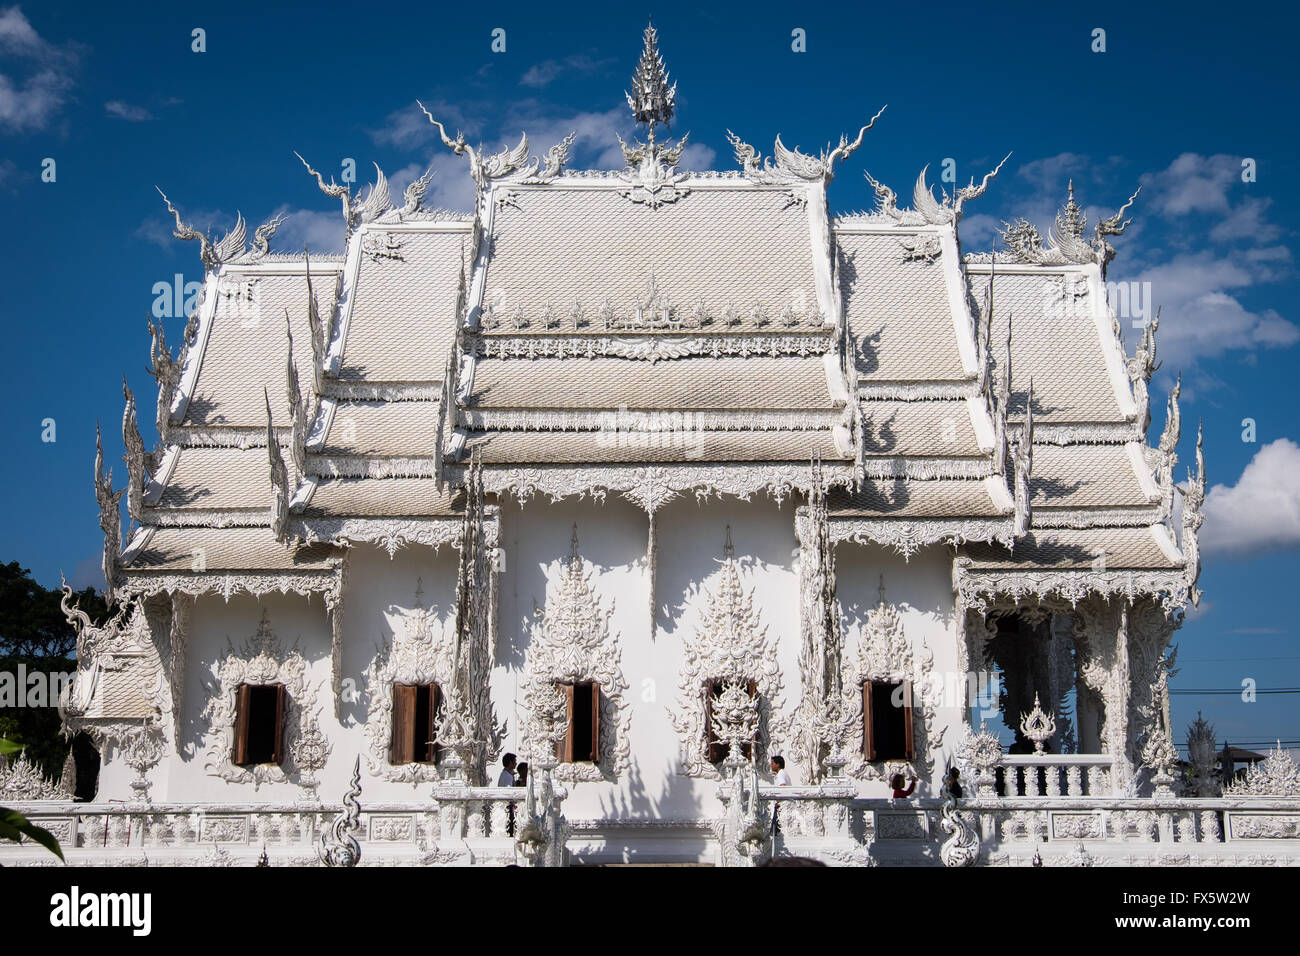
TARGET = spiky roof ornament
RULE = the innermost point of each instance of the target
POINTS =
(651, 98)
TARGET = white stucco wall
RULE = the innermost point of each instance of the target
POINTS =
(612, 542)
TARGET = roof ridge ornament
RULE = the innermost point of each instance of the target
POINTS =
(651, 176)
(213, 254)
(792, 165)
(1193, 518)
(926, 209)
(482, 168)
(110, 516)
(356, 212)
(1065, 239)
(279, 478)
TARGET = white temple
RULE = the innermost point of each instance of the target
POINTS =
(647, 476)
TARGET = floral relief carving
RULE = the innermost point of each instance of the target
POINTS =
(419, 653)
(571, 643)
(729, 645)
(260, 660)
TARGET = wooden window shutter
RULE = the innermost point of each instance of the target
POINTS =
(595, 722)
(712, 749)
(868, 737)
(243, 704)
(281, 702)
(909, 747)
(566, 753)
(401, 747)
(435, 698)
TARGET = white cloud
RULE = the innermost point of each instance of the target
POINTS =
(1202, 313)
(546, 72)
(320, 232)
(1192, 184)
(1261, 512)
(132, 114)
(32, 101)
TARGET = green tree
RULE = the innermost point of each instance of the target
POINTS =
(34, 633)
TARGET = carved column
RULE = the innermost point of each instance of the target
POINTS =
(1121, 745)
(177, 653)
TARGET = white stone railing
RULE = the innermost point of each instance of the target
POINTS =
(1052, 775)
(467, 825)
(503, 824)
(811, 822)
(1073, 829)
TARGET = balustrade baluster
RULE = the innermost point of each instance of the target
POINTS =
(500, 814)
(1074, 782)
(1210, 832)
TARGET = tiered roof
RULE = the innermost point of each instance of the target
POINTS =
(653, 332)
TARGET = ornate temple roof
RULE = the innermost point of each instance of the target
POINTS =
(580, 327)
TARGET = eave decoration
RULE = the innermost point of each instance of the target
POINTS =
(729, 646)
(110, 518)
(571, 643)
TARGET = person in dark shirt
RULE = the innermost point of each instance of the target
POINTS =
(953, 783)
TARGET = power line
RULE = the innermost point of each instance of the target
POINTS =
(1237, 690)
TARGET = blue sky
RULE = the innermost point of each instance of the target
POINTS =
(1182, 93)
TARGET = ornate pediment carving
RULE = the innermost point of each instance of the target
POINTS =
(730, 645)
(571, 643)
(421, 652)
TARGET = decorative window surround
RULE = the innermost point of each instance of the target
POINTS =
(885, 654)
(571, 643)
(421, 652)
(730, 644)
(259, 660)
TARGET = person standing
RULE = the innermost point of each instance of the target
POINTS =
(781, 779)
(507, 778)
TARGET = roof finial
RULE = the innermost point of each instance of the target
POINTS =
(728, 549)
(573, 543)
(882, 590)
(652, 98)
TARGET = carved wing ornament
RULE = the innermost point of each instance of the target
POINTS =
(792, 165)
(926, 209)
